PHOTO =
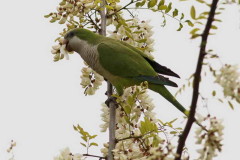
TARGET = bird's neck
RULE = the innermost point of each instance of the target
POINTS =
(87, 51)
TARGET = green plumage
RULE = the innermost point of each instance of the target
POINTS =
(120, 63)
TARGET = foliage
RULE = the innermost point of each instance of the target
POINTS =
(86, 137)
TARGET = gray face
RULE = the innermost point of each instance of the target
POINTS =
(67, 38)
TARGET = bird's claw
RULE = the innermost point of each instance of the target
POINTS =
(111, 99)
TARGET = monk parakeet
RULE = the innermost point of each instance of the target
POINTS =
(120, 63)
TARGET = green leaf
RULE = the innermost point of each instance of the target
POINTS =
(127, 119)
(169, 7)
(142, 41)
(83, 144)
(213, 93)
(53, 20)
(127, 109)
(214, 27)
(180, 27)
(220, 100)
(193, 12)
(172, 121)
(201, 17)
(128, 34)
(92, 137)
(147, 126)
(140, 4)
(48, 15)
(217, 20)
(163, 7)
(93, 144)
(179, 128)
(75, 128)
(231, 105)
(62, 3)
(109, 7)
(152, 3)
(200, 1)
(175, 13)
(182, 16)
(63, 20)
(84, 138)
(161, 3)
(173, 132)
(194, 30)
(189, 23)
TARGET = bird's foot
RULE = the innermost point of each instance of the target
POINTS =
(111, 99)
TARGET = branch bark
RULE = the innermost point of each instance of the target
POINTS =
(197, 78)
(112, 106)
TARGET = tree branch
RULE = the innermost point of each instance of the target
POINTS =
(197, 78)
(125, 7)
(112, 106)
(89, 155)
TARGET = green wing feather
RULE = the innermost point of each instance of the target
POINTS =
(156, 66)
(122, 61)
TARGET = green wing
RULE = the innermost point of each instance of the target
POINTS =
(122, 61)
(156, 66)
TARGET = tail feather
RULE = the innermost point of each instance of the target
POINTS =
(163, 91)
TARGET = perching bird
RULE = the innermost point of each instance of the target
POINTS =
(120, 63)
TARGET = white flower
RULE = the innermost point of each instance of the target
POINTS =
(56, 47)
(211, 140)
(77, 156)
(64, 51)
(140, 31)
(65, 154)
(229, 78)
(90, 80)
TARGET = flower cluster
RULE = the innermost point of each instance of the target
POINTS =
(68, 9)
(10, 150)
(134, 102)
(229, 79)
(136, 128)
(60, 51)
(13, 144)
(91, 80)
(211, 140)
(134, 32)
(163, 153)
(65, 154)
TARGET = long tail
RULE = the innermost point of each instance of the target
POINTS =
(167, 95)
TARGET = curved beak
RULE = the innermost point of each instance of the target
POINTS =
(65, 42)
(68, 48)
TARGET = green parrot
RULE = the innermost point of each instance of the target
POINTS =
(120, 63)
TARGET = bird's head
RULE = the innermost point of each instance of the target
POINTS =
(75, 36)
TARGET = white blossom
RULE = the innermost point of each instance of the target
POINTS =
(141, 105)
(91, 80)
(229, 78)
(65, 154)
(60, 51)
(211, 140)
(141, 33)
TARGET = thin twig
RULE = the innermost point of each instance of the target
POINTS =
(161, 12)
(90, 155)
(131, 2)
(134, 137)
(197, 78)
(92, 21)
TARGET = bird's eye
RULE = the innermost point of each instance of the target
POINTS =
(71, 34)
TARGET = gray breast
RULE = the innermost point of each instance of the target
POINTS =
(87, 51)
